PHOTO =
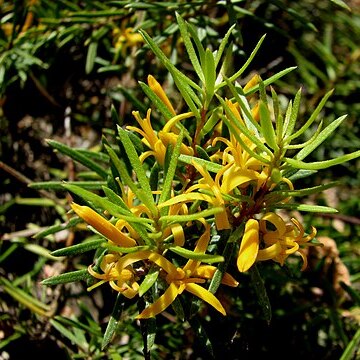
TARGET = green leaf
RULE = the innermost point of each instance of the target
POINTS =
(312, 118)
(182, 82)
(270, 80)
(342, 4)
(126, 250)
(291, 115)
(261, 294)
(166, 190)
(267, 128)
(318, 165)
(24, 298)
(170, 219)
(210, 76)
(125, 177)
(244, 67)
(133, 157)
(208, 165)
(193, 255)
(190, 48)
(113, 322)
(105, 204)
(58, 227)
(250, 123)
(149, 280)
(39, 250)
(223, 44)
(58, 185)
(68, 277)
(308, 208)
(305, 192)
(323, 135)
(200, 48)
(299, 174)
(90, 57)
(236, 127)
(68, 334)
(231, 240)
(79, 157)
(352, 347)
(78, 248)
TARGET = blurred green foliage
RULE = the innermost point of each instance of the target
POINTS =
(62, 65)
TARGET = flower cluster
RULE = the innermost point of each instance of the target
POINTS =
(198, 203)
(192, 195)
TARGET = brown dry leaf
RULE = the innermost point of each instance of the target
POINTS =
(333, 267)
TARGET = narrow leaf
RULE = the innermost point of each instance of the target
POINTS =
(318, 165)
(323, 135)
(247, 63)
(149, 281)
(223, 44)
(210, 76)
(312, 118)
(166, 191)
(308, 208)
(169, 219)
(68, 277)
(58, 185)
(352, 348)
(190, 48)
(193, 255)
(77, 156)
(208, 165)
(113, 322)
(147, 196)
(58, 227)
(78, 248)
(261, 294)
(267, 126)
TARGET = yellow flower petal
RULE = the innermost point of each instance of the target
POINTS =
(205, 295)
(159, 91)
(103, 226)
(253, 82)
(249, 246)
(161, 303)
(274, 219)
(178, 233)
(270, 252)
(208, 271)
(236, 176)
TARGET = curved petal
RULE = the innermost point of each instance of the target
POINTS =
(103, 226)
(159, 91)
(205, 295)
(236, 176)
(161, 303)
(270, 252)
(274, 219)
(249, 246)
(208, 271)
(178, 232)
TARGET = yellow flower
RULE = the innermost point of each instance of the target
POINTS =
(103, 226)
(213, 191)
(159, 142)
(279, 240)
(187, 278)
(126, 38)
(121, 280)
(159, 91)
(249, 246)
